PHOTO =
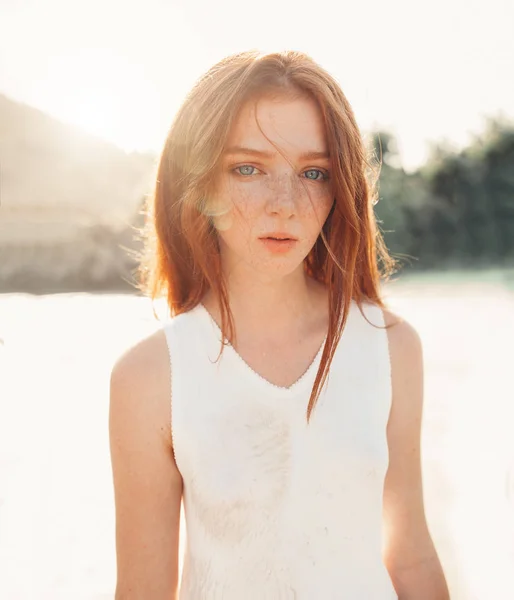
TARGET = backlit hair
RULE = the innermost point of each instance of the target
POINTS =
(181, 259)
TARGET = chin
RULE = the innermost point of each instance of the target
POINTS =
(279, 268)
(267, 266)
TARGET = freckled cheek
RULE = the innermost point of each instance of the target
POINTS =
(317, 206)
(240, 207)
(316, 217)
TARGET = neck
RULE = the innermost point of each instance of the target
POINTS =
(264, 306)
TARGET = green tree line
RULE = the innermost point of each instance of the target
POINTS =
(457, 210)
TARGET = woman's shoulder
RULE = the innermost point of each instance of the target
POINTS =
(141, 358)
(148, 357)
(139, 381)
(402, 334)
(403, 339)
(400, 330)
(407, 369)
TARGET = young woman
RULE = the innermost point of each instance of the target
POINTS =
(282, 402)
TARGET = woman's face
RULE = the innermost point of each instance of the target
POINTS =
(274, 185)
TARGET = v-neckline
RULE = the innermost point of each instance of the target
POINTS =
(256, 378)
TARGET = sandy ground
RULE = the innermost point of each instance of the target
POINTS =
(56, 497)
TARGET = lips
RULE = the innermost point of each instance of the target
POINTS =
(279, 237)
(279, 243)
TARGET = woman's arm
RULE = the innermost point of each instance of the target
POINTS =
(409, 552)
(147, 483)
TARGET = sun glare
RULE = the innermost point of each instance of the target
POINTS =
(95, 112)
(107, 96)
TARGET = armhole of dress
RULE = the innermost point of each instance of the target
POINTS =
(386, 354)
(389, 364)
(169, 344)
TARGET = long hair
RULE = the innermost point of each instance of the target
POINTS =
(181, 258)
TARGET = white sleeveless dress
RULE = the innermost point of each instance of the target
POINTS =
(276, 508)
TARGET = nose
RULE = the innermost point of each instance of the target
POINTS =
(282, 197)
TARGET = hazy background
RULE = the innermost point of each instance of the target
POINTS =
(87, 93)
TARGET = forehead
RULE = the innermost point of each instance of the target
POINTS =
(294, 124)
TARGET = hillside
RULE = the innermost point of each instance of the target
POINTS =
(46, 164)
(66, 198)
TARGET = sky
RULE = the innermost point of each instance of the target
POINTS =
(427, 72)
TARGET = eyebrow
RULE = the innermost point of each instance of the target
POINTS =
(309, 155)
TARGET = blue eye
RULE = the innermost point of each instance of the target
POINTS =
(316, 175)
(246, 170)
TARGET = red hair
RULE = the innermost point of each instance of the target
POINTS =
(181, 259)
